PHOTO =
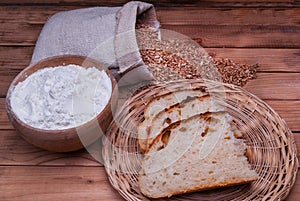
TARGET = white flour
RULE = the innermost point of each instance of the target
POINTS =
(61, 97)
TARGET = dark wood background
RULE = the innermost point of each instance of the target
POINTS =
(248, 31)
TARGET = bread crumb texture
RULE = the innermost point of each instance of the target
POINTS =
(200, 153)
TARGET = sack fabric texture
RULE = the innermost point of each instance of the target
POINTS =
(106, 34)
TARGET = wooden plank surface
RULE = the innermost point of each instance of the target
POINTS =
(266, 86)
(14, 150)
(282, 86)
(33, 15)
(241, 36)
(295, 191)
(255, 31)
(4, 121)
(269, 60)
(240, 30)
(288, 110)
(70, 183)
(236, 16)
(25, 183)
(163, 3)
(17, 152)
(14, 59)
(254, 36)
(48, 182)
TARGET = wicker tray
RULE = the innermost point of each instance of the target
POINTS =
(270, 144)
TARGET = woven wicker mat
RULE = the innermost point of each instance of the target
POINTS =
(270, 144)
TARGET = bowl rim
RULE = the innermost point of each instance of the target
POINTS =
(12, 115)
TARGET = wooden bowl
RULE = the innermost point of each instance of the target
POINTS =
(70, 139)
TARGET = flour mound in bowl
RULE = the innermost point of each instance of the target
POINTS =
(56, 98)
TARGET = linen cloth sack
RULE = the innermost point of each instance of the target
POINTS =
(106, 34)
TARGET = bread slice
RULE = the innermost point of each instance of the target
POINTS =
(195, 154)
(183, 110)
(160, 103)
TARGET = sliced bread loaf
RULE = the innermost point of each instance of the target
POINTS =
(183, 110)
(195, 154)
(160, 103)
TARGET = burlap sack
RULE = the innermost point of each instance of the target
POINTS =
(106, 34)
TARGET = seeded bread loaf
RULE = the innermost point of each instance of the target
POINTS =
(195, 154)
(158, 104)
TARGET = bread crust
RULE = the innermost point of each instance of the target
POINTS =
(231, 175)
(200, 188)
(200, 89)
(177, 106)
(142, 141)
(206, 116)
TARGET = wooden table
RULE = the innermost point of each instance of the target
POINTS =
(248, 31)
